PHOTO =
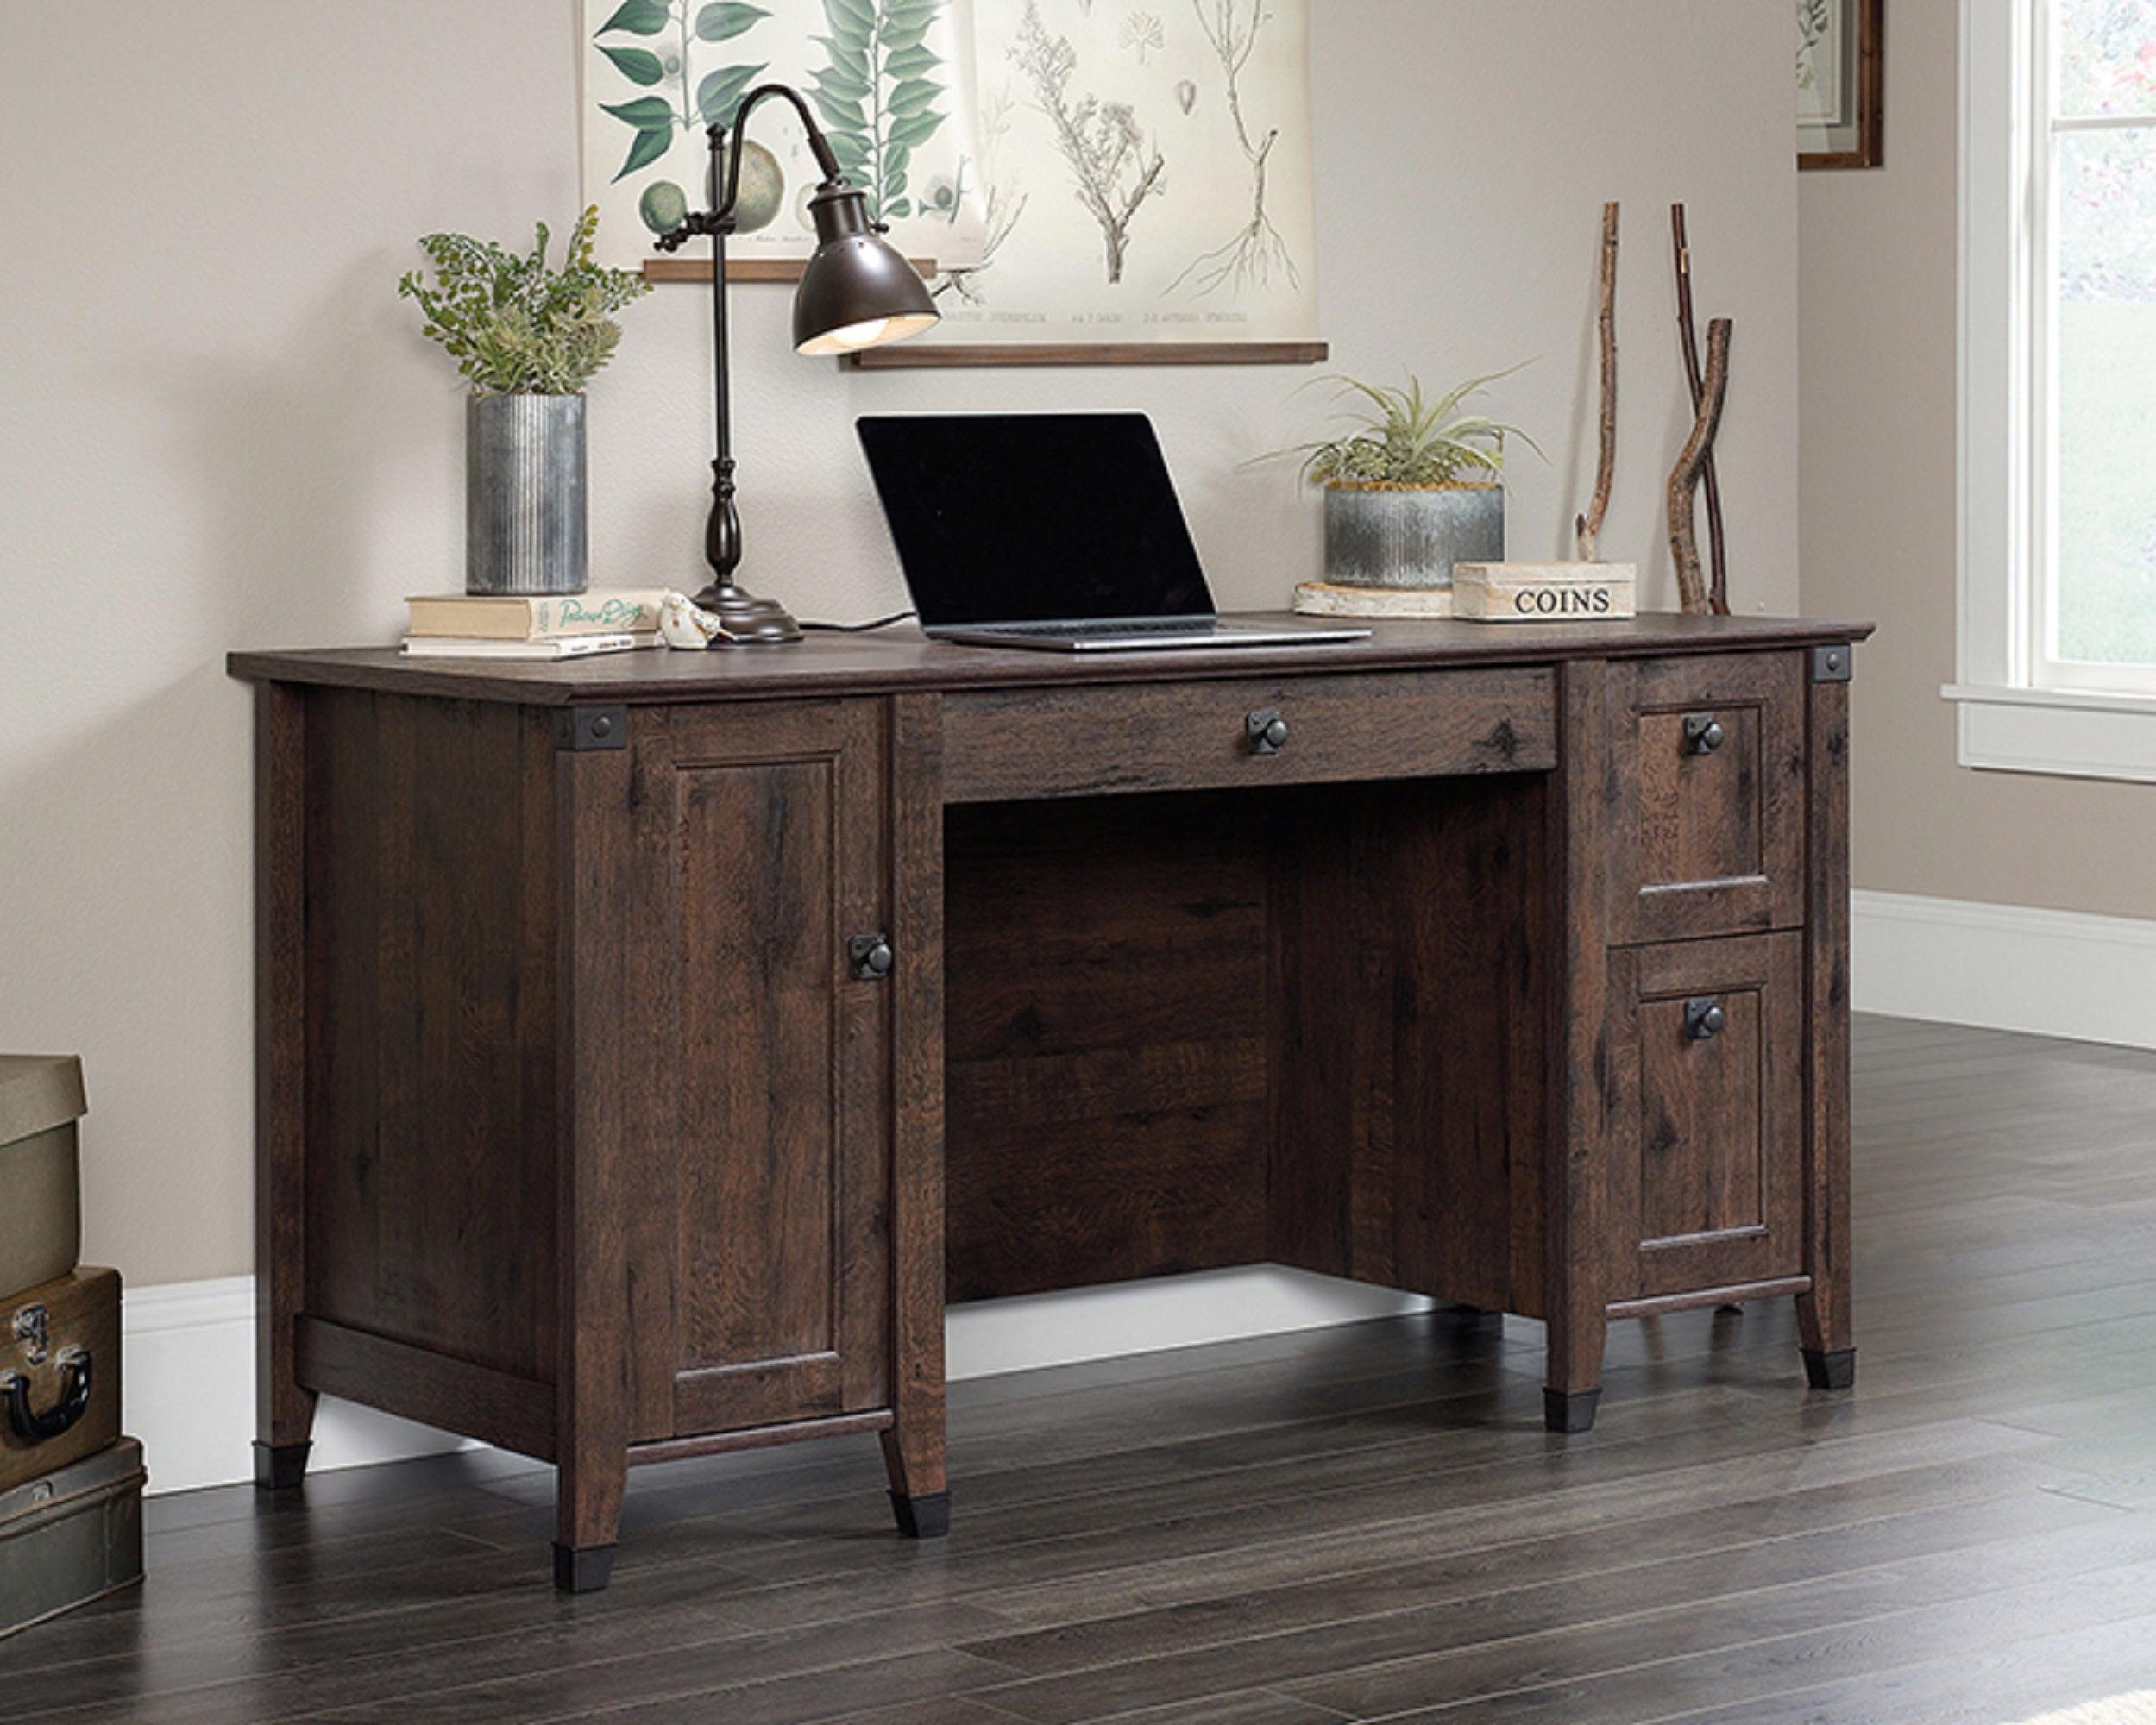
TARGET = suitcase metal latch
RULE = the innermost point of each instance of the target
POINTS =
(31, 1328)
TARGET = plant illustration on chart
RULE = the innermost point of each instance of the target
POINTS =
(877, 92)
(1115, 169)
(1142, 32)
(658, 46)
(1257, 254)
(1005, 200)
(1815, 19)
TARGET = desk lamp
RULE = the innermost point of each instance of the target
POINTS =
(855, 292)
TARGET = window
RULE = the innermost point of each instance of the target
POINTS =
(2059, 386)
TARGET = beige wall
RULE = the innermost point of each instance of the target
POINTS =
(1877, 434)
(220, 429)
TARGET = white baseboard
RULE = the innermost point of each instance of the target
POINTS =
(187, 1391)
(188, 1375)
(2005, 966)
(995, 1336)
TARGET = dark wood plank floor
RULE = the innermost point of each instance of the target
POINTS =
(1365, 1523)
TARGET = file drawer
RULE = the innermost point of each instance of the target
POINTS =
(1709, 782)
(1707, 1186)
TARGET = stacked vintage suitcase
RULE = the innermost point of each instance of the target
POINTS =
(70, 1486)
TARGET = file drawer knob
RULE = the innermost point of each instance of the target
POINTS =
(1704, 1017)
(1268, 731)
(1703, 733)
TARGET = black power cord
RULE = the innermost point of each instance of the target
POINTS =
(892, 621)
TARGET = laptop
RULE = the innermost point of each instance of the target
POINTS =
(1054, 532)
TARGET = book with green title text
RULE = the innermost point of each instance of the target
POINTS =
(477, 617)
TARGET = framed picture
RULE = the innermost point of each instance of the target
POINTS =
(1841, 83)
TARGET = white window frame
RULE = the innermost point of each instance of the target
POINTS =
(2019, 709)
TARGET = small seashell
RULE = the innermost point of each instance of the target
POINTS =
(1186, 93)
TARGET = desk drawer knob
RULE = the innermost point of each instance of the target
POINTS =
(1703, 733)
(872, 956)
(1704, 1018)
(1268, 731)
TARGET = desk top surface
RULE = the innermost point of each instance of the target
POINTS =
(904, 662)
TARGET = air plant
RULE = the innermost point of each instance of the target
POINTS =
(1403, 439)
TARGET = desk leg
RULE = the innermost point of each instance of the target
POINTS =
(1574, 1210)
(591, 1385)
(284, 1408)
(913, 1447)
(1823, 1314)
(1573, 1387)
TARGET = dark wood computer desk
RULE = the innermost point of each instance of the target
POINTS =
(649, 1047)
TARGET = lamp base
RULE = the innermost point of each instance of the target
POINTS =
(749, 621)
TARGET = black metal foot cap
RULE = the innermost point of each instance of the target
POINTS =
(280, 1467)
(585, 1568)
(923, 1518)
(1831, 1368)
(1569, 1411)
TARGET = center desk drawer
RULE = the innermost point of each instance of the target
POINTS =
(1020, 745)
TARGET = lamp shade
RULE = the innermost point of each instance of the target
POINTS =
(856, 292)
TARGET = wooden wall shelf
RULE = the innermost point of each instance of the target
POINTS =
(749, 269)
(919, 356)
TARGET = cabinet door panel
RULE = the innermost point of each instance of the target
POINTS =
(765, 850)
(1707, 1179)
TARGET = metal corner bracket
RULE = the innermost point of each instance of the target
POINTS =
(591, 729)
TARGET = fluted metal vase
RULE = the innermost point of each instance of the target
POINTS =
(1400, 538)
(525, 478)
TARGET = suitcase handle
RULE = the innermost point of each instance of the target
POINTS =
(74, 1402)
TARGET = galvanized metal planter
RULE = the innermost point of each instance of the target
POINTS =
(525, 483)
(1410, 539)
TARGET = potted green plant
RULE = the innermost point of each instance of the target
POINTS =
(528, 338)
(1411, 487)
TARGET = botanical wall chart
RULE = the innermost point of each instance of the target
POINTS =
(1104, 173)
(886, 78)
(1840, 85)
(1146, 171)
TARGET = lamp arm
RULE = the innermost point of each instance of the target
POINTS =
(825, 159)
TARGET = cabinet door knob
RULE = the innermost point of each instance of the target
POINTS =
(1704, 1017)
(1703, 733)
(872, 956)
(1267, 730)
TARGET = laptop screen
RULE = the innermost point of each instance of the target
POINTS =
(1050, 517)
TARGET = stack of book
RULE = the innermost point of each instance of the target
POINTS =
(468, 626)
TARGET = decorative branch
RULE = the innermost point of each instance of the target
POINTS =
(1588, 527)
(1698, 449)
(1101, 140)
(1718, 594)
